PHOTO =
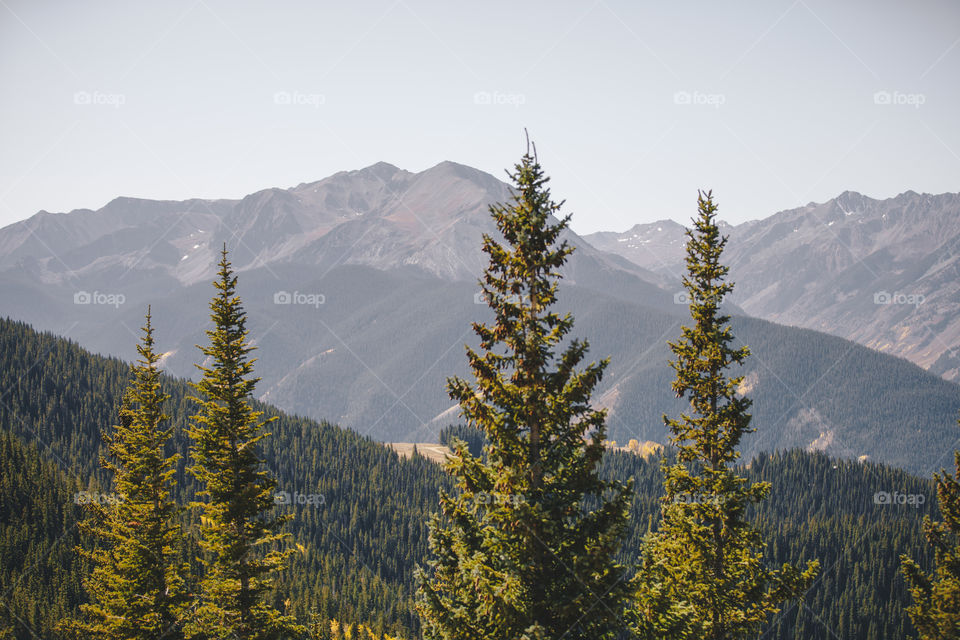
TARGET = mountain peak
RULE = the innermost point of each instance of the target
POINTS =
(449, 167)
(665, 223)
(850, 203)
(121, 201)
(444, 171)
(382, 170)
(849, 194)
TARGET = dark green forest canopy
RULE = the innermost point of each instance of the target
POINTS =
(362, 543)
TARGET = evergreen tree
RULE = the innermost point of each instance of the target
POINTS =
(935, 611)
(525, 549)
(239, 534)
(137, 587)
(364, 544)
(702, 573)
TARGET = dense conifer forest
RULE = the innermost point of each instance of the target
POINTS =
(361, 544)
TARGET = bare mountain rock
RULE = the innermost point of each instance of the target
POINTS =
(885, 273)
(361, 289)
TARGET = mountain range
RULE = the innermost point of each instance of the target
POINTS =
(361, 289)
(884, 273)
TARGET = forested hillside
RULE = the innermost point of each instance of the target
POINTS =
(362, 540)
(360, 544)
(821, 508)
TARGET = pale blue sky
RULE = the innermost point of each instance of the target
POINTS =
(633, 105)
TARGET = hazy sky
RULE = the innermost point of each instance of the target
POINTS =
(633, 105)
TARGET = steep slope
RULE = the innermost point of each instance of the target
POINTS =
(885, 273)
(40, 575)
(658, 246)
(375, 356)
(380, 216)
(361, 291)
(361, 544)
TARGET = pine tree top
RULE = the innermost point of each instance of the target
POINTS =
(718, 420)
(528, 540)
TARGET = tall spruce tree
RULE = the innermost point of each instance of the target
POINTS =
(702, 573)
(239, 532)
(525, 548)
(137, 588)
(935, 611)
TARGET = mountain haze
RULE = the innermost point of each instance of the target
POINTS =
(380, 216)
(885, 273)
(361, 290)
